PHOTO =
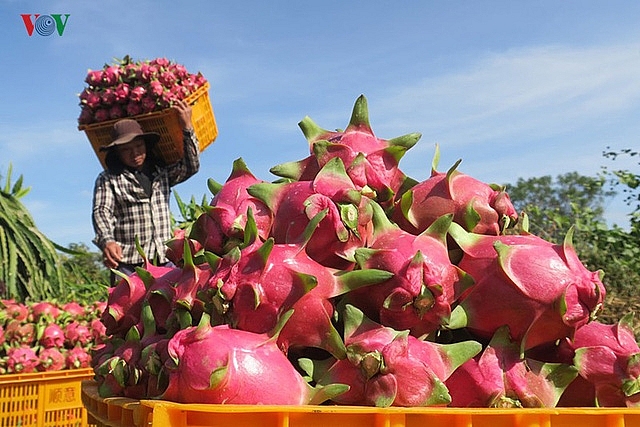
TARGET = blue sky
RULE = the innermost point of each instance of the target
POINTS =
(514, 89)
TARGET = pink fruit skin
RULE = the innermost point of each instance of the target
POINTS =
(371, 162)
(456, 194)
(385, 367)
(53, 336)
(275, 283)
(51, 359)
(540, 290)
(606, 357)
(420, 294)
(254, 370)
(22, 360)
(124, 303)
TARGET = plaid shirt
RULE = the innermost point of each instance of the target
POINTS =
(122, 210)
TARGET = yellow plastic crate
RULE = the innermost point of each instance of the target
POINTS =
(43, 399)
(120, 412)
(166, 123)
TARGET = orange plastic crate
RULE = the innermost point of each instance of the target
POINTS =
(120, 412)
(43, 399)
(166, 123)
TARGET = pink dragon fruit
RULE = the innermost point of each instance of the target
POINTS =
(52, 336)
(223, 365)
(371, 162)
(476, 206)
(608, 359)
(21, 360)
(98, 331)
(74, 309)
(385, 367)
(540, 290)
(77, 358)
(499, 377)
(346, 226)
(268, 279)
(15, 310)
(77, 333)
(223, 224)
(45, 309)
(18, 332)
(175, 246)
(51, 359)
(424, 285)
(118, 371)
(124, 304)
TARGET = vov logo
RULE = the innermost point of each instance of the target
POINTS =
(45, 25)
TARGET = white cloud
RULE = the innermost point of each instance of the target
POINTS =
(542, 91)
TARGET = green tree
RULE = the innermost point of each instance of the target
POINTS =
(629, 181)
(84, 274)
(555, 204)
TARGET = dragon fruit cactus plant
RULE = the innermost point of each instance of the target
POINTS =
(385, 367)
(540, 290)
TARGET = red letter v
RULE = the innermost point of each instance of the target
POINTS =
(28, 24)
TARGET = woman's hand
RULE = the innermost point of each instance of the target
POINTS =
(112, 254)
(184, 114)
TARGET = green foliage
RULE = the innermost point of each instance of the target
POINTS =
(84, 274)
(189, 212)
(29, 263)
(630, 183)
(553, 205)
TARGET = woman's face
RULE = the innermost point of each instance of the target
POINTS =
(133, 153)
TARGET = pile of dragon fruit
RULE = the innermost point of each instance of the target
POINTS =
(48, 336)
(344, 281)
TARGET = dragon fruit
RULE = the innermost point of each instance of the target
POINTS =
(607, 358)
(540, 290)
(20, 333)
(51, 359)
(77, 333)
(224, 221)
(385, 367)
(499, 377)
(269, 279)
(478, 207)
(77, 358)
(124, 302)
(45, 309)
(223, 365)
(424, 285)
(52, 336)
(22, 360)
(371, 162)
(74, 309)
(345, 227)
